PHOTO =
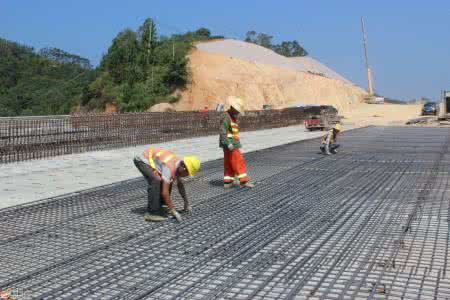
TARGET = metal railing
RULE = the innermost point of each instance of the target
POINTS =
(38, 137)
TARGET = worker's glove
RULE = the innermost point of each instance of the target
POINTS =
(230, 147)
(187, 210)
(175, 214)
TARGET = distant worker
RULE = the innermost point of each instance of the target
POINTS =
(161, 168)
(229, 141)
(204, 109)
(329, 145)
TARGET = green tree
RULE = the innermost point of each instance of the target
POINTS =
(148, 41)
(202, 33)
(121, 60)
(64, 57)
(264, 40)
(141, 68)
(285, 48)
(50, 81)
(177, 74)
(250, 37)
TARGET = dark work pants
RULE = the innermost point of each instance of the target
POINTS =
(155, 200)
(330, 149)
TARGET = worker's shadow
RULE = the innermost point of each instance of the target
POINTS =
(139, 210)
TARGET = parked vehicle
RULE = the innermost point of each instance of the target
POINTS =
(430, 108)
(322, 117)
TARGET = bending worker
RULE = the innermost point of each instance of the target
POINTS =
(234, 162)
(329, 145)
(161, 168)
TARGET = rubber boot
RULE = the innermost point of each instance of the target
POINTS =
(322, 149)
(228, 185)
(247, 185)
(154, 218)
(334, 148)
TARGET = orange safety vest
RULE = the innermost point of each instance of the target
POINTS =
(167, 157)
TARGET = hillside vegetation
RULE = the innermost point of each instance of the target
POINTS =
(140, 68)
(50, 81)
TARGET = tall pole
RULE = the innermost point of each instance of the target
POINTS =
(150, 42)
(369, 71)
(149, 48)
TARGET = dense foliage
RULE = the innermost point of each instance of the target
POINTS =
(142, 68)
(285, 48)
(49, 82)
(139, 69)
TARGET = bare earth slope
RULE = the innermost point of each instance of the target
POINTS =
(263, 77)
(260, 76)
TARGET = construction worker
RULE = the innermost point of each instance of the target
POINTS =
(234, 162)
(161, 168)
(329, 145)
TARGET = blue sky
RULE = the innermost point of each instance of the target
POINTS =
(409, 42)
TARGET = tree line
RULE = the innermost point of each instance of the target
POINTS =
(285, 48)
(40, 83)
(140, 68)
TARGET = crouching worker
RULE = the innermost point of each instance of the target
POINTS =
(229, 141)
(161, 168)
(329, 145)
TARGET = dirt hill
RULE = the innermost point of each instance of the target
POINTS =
(260, 76)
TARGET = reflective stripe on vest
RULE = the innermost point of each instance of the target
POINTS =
(165, 156)
(234, 131)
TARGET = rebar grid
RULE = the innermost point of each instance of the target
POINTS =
(368, 223)
(27, 138)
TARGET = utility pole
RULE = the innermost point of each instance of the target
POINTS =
(149, 47)
(369, 70)
(173, 50)
(149, 44)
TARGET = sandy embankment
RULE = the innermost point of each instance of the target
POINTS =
(260, 76)
(383, 114)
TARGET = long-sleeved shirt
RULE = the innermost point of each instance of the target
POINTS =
(229, 132)
(329, 138)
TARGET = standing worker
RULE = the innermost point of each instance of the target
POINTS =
(329, 145)
(161, 168)
(229, 141)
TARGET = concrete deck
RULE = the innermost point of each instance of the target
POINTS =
(39, 179)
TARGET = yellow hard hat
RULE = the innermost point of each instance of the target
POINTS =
(236, 103)
(338, 127)
(192, 164)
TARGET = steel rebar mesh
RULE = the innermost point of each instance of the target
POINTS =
(38, 137)
(368, 223)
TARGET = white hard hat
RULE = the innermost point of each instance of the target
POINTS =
(236, 103)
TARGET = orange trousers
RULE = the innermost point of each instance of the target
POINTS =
(234, 166)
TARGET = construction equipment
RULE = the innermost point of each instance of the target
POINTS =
(327, 118)
(370, 98)
(444, 109)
